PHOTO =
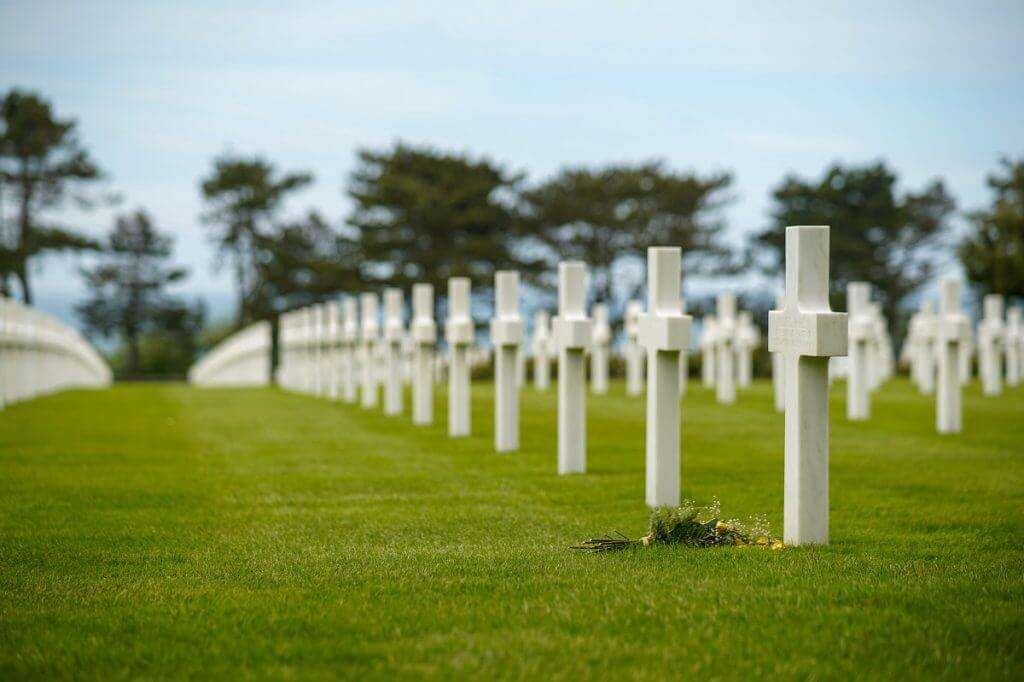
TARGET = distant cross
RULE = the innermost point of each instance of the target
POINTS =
(858, 394)
(952, 331)
(573, 331)
(990, 345)
(725, 340)
(809, 333)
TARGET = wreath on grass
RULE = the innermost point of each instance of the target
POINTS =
(691, 526)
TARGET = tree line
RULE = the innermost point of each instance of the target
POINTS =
(421, 214)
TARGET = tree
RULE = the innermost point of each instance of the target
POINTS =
(243, 196)
(422, 215)
(41, 164)
(127, 288)
(604, 215)
(993, 255)
(877, 236)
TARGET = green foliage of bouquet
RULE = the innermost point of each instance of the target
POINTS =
(691, 526)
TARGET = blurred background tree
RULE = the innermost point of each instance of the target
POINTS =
(128, 301)
(891, 241)
(993, 254)
(423, 215)
(607, 214)
(42, 163)
(243, 196)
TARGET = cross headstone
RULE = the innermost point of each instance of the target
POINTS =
(424, 336)
(809, 333)
(368, 331)
(394, 332)
(573, 333)
(684, 359)
(876, 347)
(665, 333)
(779, 367)
(967, 358)
(459, 335)
(707, 350)
(858, 397)
(317, 350)
(600, 350)
(507, 337)
(926, 347)
(541, 350)
(1014, 340)
(747, 340)
(725, 339)
(990, 345)
(951, 331)
(634, 354)
(350, 341)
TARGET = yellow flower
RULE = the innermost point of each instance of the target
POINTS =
(721, 527)
(777, 544)
(762, 540)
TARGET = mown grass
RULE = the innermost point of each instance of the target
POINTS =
(163, 531)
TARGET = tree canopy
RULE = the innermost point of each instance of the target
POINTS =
(42, 162)
(879, 236)
(993, 254)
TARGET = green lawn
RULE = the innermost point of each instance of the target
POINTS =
(163, 531)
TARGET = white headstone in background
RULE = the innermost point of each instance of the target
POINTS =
(1014, 342)
(665, 333)
(990, 345)
(349, 352)
(573, 333)
(708, 349)
(634, 354)
(600, 351)
(808, 332)
(424, 337)
(317, 339)
(541, 351)
(861, 329)
(951, 331)
(725, 340)
(368, 331)
(684, 359)
(779, 366)
(966, 358)
(876, 347)
(926, 347)
(394, 333)
(459, 333)
(748, 338)
(507, 337)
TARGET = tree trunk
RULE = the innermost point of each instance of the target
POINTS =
(26, 289)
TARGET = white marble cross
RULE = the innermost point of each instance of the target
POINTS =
(748, 338)
(368, 331)
(779, 367)
(507, 337)
(809, 333)
(573, 334)
(708, 347)
(424, 336)
(725, 339)
(990, 345)
(600, 351)
(951, 332)
(394, 332)
(541, 350)
(634, 354)
(459, 334)
(684, 359)
(926, 347)
(861, 328)
(1014, 341)
(876, 346)
(350, 340)
(664, 333)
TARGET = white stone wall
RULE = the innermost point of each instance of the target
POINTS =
(242, 359)
(41, 355)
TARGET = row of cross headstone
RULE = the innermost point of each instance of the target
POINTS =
(40, 354)
(242, 359)
(938, 349)
(362, 354)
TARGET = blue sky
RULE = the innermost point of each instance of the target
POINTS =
(761, 89)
